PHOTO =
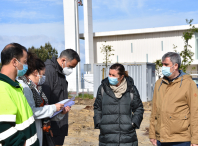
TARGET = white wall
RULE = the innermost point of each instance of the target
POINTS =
(147, 43)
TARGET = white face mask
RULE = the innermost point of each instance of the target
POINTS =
(41, 79)
(66, 70)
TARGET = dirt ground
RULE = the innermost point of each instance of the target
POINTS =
(81, 126)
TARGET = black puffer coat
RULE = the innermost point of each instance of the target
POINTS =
(114, 116)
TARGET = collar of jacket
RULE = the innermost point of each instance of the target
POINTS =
(9, 81)
(177, 79)
(58, 68)
(180, 79)
(109, 91)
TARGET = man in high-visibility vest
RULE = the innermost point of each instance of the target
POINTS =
(17, 124)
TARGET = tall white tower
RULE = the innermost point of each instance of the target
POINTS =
(71, 29)
(88, 33)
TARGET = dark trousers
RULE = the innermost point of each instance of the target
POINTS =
(59, 132)
(173, 144)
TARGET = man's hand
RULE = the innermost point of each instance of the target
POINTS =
(194, 145)
(153, 141)
(66, 110)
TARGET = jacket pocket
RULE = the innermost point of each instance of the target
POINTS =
(178, 123)
(132, 126)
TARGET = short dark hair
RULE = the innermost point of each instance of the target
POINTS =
(34, 63)
(174, 57)
(120, 68)
(70, 54)
(10, 51)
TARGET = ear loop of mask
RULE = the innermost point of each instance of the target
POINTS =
(20, 63)
(39, 75)
(174, 69)
(40, 82)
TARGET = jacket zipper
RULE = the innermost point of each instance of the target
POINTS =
(119, 116)
(119, 120)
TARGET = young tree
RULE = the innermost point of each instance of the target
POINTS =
(44, 52)
(107, 51)
(187, 54)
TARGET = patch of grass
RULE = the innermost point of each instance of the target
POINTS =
(85, 96)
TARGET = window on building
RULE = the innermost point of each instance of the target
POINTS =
(196, 46)
(162, 45)
(131, 47)
(196, 49)
(146, 57)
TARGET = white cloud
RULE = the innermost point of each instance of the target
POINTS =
(36, 35)
(33, 34)
(140, 3)
(26, 15)
(29, 2)
(55, 30)
(58, 2)
(158, 9)
(28, 41)
(158, 20)
(120, 5)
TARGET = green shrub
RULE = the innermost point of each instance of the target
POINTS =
(85, 96)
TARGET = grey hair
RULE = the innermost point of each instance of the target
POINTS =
(174, 57)
(70, 54)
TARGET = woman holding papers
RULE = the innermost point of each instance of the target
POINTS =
(118, 109)
(31, 82)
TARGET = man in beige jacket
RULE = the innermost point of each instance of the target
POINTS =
(174, 116)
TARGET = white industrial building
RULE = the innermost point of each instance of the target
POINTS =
(143, 45)
(136, 45)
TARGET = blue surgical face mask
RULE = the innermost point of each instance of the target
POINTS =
(113, 80)
(23, 71)
(166, 71)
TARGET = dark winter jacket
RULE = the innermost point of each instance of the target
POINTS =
(55, 88)
(114, 116)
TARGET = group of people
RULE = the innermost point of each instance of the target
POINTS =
(118, 109)
(30, 90)
(29, 94)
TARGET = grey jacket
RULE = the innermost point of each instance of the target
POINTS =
(55, 89)
(114, 116)
(39, 112)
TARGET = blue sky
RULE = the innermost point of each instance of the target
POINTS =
(35, 22)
